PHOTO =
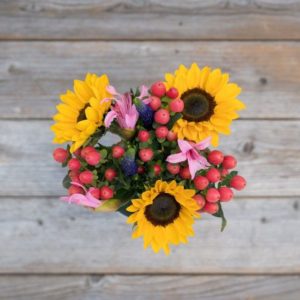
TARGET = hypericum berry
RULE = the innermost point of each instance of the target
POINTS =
(95, 192)
(155, 103)
(156, 169)
(229, 162)
(106, 193)
(161, 132)
(224, 173)
(201, 182)
(146, 154)
(158, 89)
(141, 170)
(74, 176)
(110, 174)
(176, 105)
(172, 136)
(212, 195)
(172, 93)
(200, 200)
(93, 158)
(226, 194)
(185, 173)
(60, 155)
(143, 136)
(74, 164)
(162, 116)
(213, 175)
(86, 177)
(73, 189)
(86, 150)
(117, 151)
(173, 168)
(211, 208)
(238, 182)
(215, 157)
(78, 152)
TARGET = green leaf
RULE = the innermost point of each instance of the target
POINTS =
(103, 153)
(123, 209)
(109, 206)
(174, 119)
(66, 182)
(220, 214)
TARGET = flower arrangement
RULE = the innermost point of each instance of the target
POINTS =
(160, 171)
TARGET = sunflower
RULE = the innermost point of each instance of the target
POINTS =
(81, 112)
(164, 215)
(210, 102)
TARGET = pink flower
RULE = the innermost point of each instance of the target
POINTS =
(87, 200)
(123, 110)
(144, 94)
(189, 152)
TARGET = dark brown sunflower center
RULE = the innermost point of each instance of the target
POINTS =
(163, 211)
(198, 105)
(82, 115)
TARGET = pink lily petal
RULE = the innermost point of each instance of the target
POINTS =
(176, 158)
(184, 146)
(203, 144)
(110, 116)
(112, 90)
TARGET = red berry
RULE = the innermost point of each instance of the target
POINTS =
(172, 136)
(146, 154)
(162, 116)
(215, 157)
(226, 194)
(117, 151)
(229, 162)
(200, 200)
(213, 175)
(110, 174)
(158, 89)
(78, 152)
(173, 169)
(156, 169)
(211, 208)
(176, 105)
(95, 192)
(172, 93)
(74, 164)
(86, 177)
(106, 193)
(185, 173)
(93, 158)
(224, 173)
(238, 182)
(74, 176)
(201, 182)
(73, 189)
(141, 170)
(60, 155)
(143, 136)
(155, 103)
(161, 132)
(86, 150)
(212, 195)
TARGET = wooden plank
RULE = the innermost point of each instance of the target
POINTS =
(44, 235)
(118, 287)
(268, 154)
(152, 19)
(33, 74)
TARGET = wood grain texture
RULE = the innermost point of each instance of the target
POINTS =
(150, 19)
(33, 74)
(270, 167)
(116, 287)
(44, 235)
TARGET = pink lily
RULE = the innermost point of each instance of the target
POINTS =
(87, 200)
(144, 94)
(123, 110)
(189, 152)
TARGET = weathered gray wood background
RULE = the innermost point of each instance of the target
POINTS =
(49, 250)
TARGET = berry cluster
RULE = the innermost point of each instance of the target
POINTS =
(122, 171)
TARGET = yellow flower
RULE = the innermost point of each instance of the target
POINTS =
(164, 215)
(210, 102)
(81, 112)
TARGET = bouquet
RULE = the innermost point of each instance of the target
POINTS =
(147, 153)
